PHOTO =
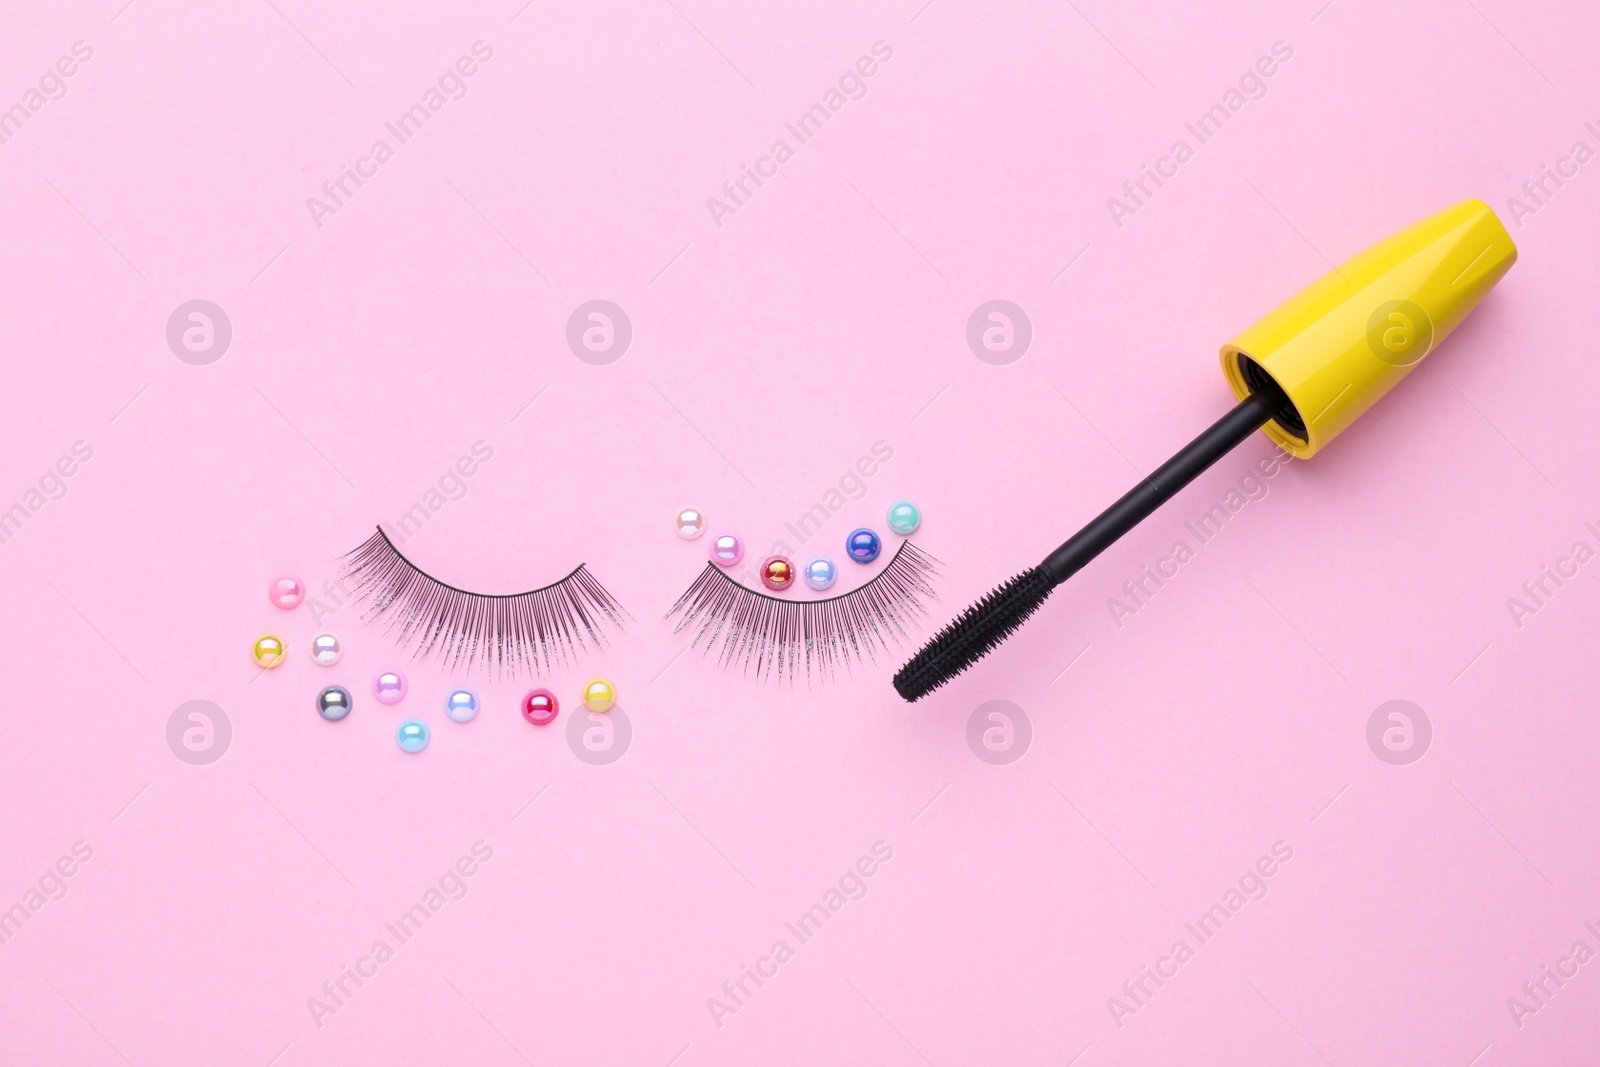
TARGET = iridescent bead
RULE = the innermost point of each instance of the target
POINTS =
(599, 694)
(326, 649)
(821, 573)
(461, 705)
(286, 592)
(334, 703)
(390, 687)
(691, 523)
(540, 706)
(863, 545)
(269, 650)
(412, 735)
(777, 573)
(727, 550)
(904, 518)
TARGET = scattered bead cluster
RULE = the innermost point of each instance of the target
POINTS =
(779, 573)
(334, 703)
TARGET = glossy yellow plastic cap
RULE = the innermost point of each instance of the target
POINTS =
(1343, 341)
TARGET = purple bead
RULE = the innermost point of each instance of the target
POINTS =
(390, 687)
(726, 550)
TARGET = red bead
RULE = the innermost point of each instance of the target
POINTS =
(540, 706)
(777, 573)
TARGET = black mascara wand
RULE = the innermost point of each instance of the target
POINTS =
(992, 619)
(1330, 351)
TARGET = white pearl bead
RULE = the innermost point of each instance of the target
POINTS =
(691, 523)
(326, 649)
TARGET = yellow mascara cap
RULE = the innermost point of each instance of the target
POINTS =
(1339, 344)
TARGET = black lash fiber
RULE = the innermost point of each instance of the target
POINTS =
(772, 633)
(502, 630)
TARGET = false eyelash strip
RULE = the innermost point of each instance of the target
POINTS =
(503, 630)
(770, 632)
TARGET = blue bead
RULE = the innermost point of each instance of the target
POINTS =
(863, 545)
(904, 518)
(333, 703)
(820, 573)
(413, 735)
(461, 705)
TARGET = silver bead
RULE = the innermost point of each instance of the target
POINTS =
(333, 703)
(821, 573)
(461, 705)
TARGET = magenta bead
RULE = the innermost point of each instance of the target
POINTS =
(286, 592)
(390, 687)
(727, 550)
(540, 706)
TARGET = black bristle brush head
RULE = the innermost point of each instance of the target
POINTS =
(993, 619)
(973, 633)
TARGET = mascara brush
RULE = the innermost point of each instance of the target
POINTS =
(1331, 351)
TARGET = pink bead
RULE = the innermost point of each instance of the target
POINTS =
(727, 550)
(390, 687)
(286, 592)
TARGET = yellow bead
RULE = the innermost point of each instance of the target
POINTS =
(599, 695)
(270, 650)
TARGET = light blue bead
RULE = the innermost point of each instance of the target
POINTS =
(820, 573)
(904, 518)
(863, 545)
(461, 705)
(413, 735)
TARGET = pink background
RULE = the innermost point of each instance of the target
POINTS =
(770, 353)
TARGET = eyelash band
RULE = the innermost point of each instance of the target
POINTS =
(502, 630)
(772, 632)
